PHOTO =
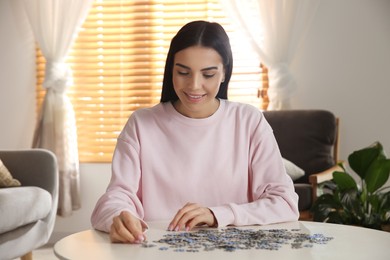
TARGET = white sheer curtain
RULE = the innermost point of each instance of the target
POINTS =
(55, 24)
(276, 28)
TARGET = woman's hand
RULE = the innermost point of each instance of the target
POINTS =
(126, 228)
(191, 215)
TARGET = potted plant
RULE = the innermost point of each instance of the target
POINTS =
(364, 203)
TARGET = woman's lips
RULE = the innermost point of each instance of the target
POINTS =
(195, 97)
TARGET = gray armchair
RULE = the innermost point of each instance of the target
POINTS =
(309, 139)
(28, 212)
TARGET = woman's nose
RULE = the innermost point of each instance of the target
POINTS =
(195, 82)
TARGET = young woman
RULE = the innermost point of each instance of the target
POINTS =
(195, 158)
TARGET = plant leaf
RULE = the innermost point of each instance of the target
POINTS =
(377, 174)
(375, 202)
(324, 204)
(344, 181)
(337, 217)
(350, 200)
(360, 160)
(384, 199)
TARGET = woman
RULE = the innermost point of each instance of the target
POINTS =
(195, 158)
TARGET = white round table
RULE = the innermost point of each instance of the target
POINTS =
(348, 242)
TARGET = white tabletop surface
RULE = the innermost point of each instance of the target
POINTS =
(348, 243)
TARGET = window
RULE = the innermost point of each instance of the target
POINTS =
(118, 61)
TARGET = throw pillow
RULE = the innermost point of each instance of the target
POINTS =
(6, 179)
(292, 170)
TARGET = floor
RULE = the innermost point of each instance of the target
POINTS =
(44, 253)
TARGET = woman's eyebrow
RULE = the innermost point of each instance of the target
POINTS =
(210, 68)
(183, 66)
(205, 69)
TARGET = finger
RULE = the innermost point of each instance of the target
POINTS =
(203, 216)
(119, 233)
(196, 221)
(126, 229)
(196, 217)
(192, 215)
(134, 225)
(174, 225)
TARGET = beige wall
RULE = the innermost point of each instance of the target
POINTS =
(343, 65)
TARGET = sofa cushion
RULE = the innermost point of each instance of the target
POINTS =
(292, 170)
(6, 179)
(23, 205)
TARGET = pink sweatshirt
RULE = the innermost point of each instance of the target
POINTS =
(229, 162)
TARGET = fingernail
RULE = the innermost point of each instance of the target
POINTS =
(177, 228)
(141, 238)
(187, 228)
(170, 227)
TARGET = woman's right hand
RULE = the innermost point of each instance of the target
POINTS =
(126, 228)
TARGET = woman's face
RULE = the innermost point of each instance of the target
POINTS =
(197, 75)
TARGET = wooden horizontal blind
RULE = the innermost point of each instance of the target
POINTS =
(118, 62)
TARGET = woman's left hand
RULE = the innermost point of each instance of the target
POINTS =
(191, 215)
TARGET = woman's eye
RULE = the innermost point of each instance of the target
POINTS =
(184, 73)
(207, 76)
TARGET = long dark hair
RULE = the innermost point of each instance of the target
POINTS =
(198, 33)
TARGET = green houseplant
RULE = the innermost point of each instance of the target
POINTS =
(364, 203)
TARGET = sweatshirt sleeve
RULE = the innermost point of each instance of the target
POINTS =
(123, 192)
(271, 194)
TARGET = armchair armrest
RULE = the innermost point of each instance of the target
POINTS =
(33, 167)
(318, 178)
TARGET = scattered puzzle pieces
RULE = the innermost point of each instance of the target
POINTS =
(232, 239)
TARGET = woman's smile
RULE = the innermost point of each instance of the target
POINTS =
(195, 97)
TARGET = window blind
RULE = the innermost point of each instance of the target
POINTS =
(118, 62)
